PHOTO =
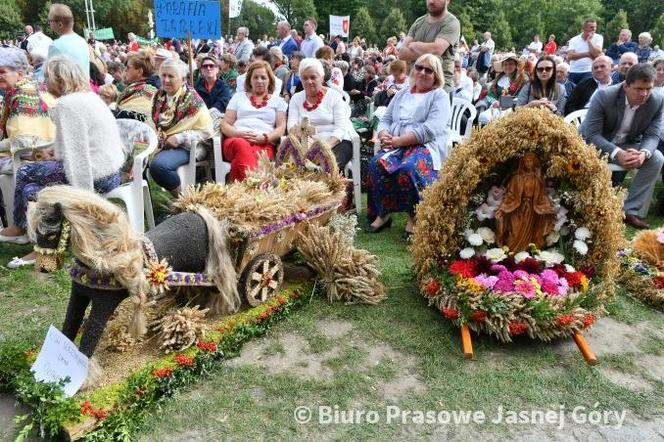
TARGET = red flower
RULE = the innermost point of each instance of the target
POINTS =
(264, 315)
(432, 287)
(658, 281)
(564, 320)
(588, 320)
(206, 346)
(99, 414)
(517, 328)
(184, 361)
(574, 279)
(450, 313)
(462, 267)
(530, 265)
(478, 316)
(164, 372)
(86, 407)
(281, 299)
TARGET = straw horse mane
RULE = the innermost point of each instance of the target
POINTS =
(101, 238)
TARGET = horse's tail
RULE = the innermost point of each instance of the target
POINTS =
(220, 264)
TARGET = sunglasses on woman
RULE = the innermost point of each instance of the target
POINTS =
(420, 68)
(209, 66)
(545, 69)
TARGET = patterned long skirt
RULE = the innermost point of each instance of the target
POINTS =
(396, 180)
(33, 177)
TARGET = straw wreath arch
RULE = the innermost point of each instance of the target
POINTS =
(458, 263)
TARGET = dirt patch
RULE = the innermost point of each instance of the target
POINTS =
(297, 357)
(626, 380)
(607, 336)
(333, 329)
(653, 366)
(8, 410)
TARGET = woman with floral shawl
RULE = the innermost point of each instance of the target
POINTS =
(182, 120)
(135, 101)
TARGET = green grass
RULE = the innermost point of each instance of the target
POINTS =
(252, 402)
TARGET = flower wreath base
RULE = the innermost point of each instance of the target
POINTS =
(442, 213)
(642, 272)
(113, 412)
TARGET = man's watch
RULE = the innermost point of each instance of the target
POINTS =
(647, 152)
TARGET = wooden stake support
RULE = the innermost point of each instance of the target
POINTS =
(587, 353)
(466, 342)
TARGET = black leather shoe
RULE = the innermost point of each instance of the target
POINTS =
(386, 225)
(636, 222)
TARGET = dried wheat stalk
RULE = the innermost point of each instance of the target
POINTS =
(181, 329)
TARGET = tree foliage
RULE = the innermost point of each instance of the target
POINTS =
(258, 18)
(363, 25)
(658, 32)
(615, 25)
(11, 21)
(391, 26)
(296, 11)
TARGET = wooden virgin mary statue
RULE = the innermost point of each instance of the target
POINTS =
(526, 214)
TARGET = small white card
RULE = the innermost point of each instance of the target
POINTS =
(59, 358)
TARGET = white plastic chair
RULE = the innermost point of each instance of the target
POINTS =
(576, 117)
(354, 168)
(136, 194)
(221, 167)
(187, 172)
(459, 108)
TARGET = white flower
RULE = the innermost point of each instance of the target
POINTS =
(487, 235)
(495, 196)
(466, 253)
(561, 218)
(580, 247)
(569, 268)
(550, 257)
(475, 239)
(552, 238)
(582, 233)
(521, 256)
(496, 254)
(485, 212)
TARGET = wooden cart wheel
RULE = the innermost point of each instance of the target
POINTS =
(262, 278)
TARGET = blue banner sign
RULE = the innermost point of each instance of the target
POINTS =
(174, 18)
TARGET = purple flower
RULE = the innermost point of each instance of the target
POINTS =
(505, 282)
(487, 282)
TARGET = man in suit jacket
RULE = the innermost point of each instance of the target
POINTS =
(285, 42)
(583, 92)
(625, 121)
(244, 46)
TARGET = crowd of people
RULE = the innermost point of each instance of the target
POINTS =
(69, 91)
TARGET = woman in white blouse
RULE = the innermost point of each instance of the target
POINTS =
(325, 109)
(254, 121)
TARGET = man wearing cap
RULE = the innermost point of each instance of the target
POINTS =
(625, 122)
(212, 89)
(61, 20)
(436, 33)
(285, 42)
(244, 46)
(582, 50)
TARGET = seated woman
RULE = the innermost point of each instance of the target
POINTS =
(336, 79)
(543, 90)
(135, 101)
(212, 89)
(24, 118)
(182, 120)
(413, 136)
(325, 109)
(508, 82)
(88, 152)
(293, 83)
(228, 72)
(254, 121)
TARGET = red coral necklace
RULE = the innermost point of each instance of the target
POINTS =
(319, 99)
(259, 105)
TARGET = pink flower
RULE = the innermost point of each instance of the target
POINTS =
(498, 268)
(521, 274)
(550, 287)
(525, 287)
(487, 282)
(563, 287)
(505, 282)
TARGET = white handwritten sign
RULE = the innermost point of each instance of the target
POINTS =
(58, 359)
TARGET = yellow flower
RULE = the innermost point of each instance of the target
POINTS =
(584, 283)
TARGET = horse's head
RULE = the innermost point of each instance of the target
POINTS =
(49, 227)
